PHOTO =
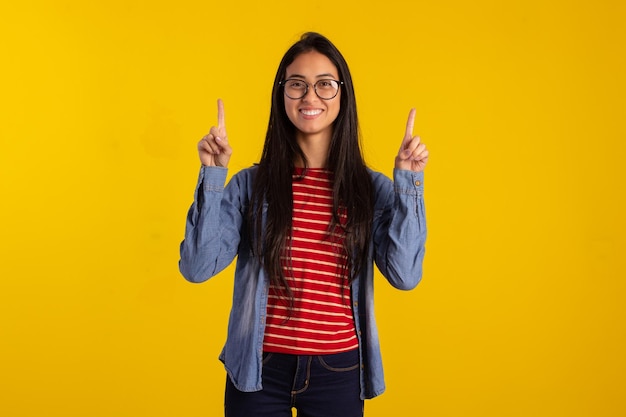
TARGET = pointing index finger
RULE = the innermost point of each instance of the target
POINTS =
(409, 125)
(221, 119)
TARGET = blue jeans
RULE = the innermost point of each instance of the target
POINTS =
(317, 386)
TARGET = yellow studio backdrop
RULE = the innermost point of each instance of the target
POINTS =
(521, 309)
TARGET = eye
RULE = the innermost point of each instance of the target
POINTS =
(326, 84)
(296, 84)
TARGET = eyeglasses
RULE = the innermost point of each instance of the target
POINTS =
(325, 89)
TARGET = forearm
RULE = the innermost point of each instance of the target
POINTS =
(202, 254)
(402, 235)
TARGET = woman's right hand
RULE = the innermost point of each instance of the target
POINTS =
(213, 149)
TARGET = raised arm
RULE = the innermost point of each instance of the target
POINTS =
(400, 219)
(214, 220)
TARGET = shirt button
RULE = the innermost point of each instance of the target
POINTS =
(418, 183)
(356, 304)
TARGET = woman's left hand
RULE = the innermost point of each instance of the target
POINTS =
(413, 154)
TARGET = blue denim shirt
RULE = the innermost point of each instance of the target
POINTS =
(215, 234)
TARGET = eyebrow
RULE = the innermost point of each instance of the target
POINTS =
(326, 75)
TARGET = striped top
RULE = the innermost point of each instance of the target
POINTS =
(321, 320)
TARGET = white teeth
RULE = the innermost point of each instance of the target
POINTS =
(311, 112)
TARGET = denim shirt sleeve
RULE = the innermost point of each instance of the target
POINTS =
(400, 228)
(213, 228)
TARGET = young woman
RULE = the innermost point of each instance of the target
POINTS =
(306, 224)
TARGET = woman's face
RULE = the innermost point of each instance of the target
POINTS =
(311, 115)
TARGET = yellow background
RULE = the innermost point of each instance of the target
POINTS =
(521, 311)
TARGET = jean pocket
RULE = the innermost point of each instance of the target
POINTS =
(340, 362)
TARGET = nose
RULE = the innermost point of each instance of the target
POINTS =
(310, 94)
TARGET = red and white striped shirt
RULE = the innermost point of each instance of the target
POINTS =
(321, 320)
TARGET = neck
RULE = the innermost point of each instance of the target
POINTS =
(315, 148)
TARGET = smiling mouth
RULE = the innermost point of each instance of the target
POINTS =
(311, 112)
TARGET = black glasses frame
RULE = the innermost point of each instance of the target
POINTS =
(306, 90)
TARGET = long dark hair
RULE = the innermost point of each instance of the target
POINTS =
(352, 185)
